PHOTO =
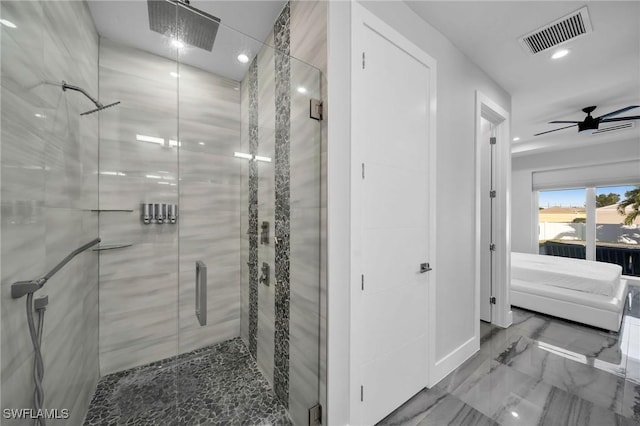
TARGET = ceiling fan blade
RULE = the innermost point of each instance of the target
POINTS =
(564, 122)
(607, 120)
(620, 111)
(555, 130)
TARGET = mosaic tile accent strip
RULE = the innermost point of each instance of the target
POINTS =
(253, 209)
(282, 204)
(216, 385)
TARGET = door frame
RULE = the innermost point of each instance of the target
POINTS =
(361, 18)
(488, 109)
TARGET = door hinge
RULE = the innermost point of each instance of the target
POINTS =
(361, 393)
(362, 60)
(315, 109)
(492, 247)
(315, 415)
(492, 300)
(492, 141)
(362, 280)
(492, 194)
(362, 170)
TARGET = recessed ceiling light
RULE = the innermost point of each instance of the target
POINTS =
(177, 43)
(40, 115)
(514, 414)
(516, 139)
(201, 143)
(560, 54)
(302, 89)
(8, 23)
(174, 74)
(243, 58)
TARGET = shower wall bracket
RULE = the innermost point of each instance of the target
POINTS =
(315, 109)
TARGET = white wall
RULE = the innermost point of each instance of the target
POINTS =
(458, 79)
(524, 235)
(338, 106)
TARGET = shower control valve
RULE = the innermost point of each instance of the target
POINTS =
(266, 272)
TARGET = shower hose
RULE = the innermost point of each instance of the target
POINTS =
(38, 364)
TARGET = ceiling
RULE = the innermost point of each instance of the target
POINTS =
(244, 25)
(602, 68)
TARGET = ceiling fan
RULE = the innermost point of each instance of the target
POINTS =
(589, 124)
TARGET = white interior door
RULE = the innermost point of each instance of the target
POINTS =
(393, 133)
(486, 218)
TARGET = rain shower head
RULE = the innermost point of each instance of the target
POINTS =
(100, 107)
(178, 20)
(97, 103)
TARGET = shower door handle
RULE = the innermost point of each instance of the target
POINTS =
(201, 292)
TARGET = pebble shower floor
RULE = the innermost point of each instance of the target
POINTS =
(216, 385)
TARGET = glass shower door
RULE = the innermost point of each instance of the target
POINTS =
(138, 184)
(249, 197)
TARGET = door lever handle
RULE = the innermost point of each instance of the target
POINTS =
(424, 267)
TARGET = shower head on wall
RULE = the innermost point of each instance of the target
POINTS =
(99, 107)
(98, 104)
(178, 20)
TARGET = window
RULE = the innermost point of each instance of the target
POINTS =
(562, 222)
(597, 223)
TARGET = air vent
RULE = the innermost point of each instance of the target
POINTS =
(614, 128)
(557, 32)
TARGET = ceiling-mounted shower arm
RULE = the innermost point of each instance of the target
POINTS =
(97, 103)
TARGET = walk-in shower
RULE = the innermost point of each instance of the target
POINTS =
(201, 176)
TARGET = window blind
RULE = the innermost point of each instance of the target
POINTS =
(619, 173)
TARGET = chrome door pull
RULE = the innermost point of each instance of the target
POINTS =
(424, 267)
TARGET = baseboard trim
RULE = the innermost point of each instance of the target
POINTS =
(454, 359)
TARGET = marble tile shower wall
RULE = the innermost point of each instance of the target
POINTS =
(49, 187)
(300, 383)
(147, 290)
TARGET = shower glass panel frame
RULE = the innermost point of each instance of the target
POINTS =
(240, 158)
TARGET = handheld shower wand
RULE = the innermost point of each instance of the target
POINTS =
(98, 104)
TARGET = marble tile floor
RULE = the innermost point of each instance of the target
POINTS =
(540, 371)
(216, 385)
